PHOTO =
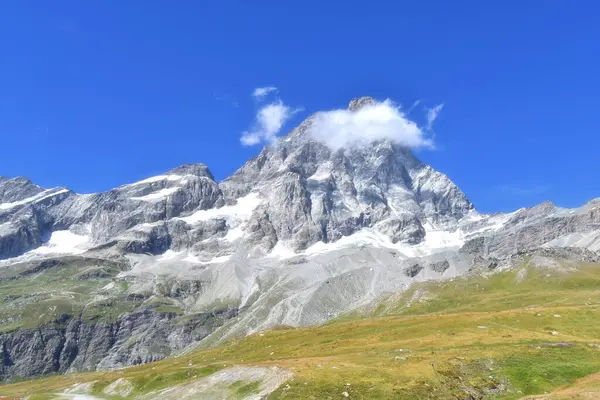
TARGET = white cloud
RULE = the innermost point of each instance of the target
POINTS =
(432, 114)
(261, 92)
(379, 121)
(269, 121)
(414, 105)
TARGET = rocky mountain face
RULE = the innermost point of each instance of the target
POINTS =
(298, 235)
(313, 194)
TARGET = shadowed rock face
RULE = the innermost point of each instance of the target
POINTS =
(72, 345)
(296, 236)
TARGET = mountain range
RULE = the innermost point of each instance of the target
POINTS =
(299, 235)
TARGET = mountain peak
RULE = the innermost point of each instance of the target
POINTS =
(18, 188)
(359, 102)
(16, 179)
(198, 169)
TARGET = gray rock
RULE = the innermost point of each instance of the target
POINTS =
(413, 270)
(74, 345)
(440, 266)
(15, 189)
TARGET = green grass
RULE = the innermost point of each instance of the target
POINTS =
(242, 388)
(32, 296)
(160, 380)
(543, 370)
(476, 337)
(164, 305)
(499, 291)
(108, 310)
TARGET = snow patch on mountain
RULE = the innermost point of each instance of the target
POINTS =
(158, 178)
(64, 242)
(323, 172)
(233, 214)
(34, 199)
(156, 196)
(171, 255)
(436, 240)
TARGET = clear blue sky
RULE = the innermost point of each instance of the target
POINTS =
(97, 94)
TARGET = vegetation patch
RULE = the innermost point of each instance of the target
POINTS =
(243, 388)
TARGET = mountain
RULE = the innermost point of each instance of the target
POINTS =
(300, 234)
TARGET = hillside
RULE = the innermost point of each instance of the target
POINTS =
(526, 330)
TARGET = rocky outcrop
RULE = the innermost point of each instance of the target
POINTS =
(70, 344)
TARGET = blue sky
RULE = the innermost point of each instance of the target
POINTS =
(94, 96)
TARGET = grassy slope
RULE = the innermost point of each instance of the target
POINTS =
(587, 388)
(31, 296)
(476, 337)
